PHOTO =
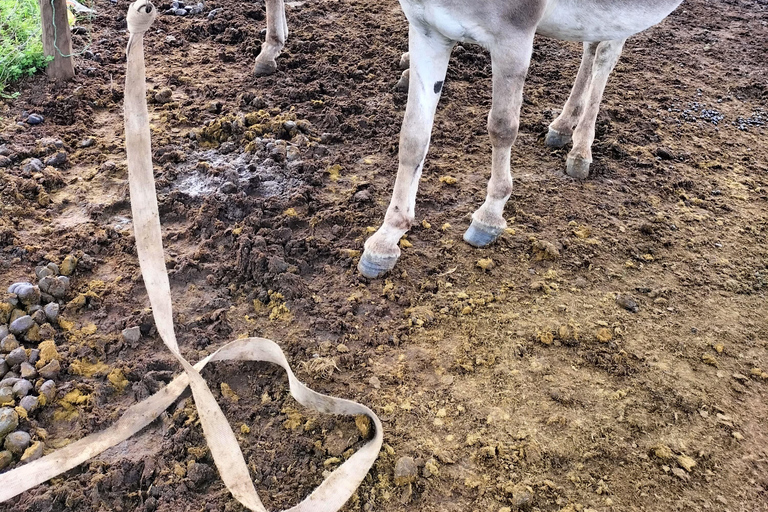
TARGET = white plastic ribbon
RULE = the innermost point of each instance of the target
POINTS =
(337, 488)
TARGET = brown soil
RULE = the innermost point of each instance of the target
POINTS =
(526, 385)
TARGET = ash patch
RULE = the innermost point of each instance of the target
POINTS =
(209, 171)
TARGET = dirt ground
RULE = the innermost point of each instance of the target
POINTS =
(525, 384)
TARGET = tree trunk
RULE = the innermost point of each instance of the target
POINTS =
(60, 68)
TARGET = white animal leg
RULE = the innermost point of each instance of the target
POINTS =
(561, 129)
(277, 33)
(429, 54)
(580, 157)
(510, 64)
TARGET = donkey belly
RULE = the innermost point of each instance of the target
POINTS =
(602, 20)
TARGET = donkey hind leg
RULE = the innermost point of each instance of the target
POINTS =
(510, 65)
(561, 129)
(429, 56)
(277, 33)
(580, 157)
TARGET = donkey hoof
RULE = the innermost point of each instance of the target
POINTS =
(577, 167)
(373, 265)
(402, 84)
(555, 139)
(264, 68)
(480, 235)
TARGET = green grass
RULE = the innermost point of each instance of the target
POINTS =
(21, 46)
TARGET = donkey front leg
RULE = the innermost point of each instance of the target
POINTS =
(510, 64)
(561, 130)
(580, 157)
(277, 33)
(429, 53)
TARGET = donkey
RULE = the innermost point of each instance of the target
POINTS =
(506, 28)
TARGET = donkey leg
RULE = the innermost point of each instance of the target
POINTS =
(510, 64)
(580, 157)
(561, 129)
(429, 56)
(277, 33)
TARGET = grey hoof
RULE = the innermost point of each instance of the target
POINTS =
(402, 84)
(373, 266)
(480, 235)
(264, 68)
(405, 61)
(555, 139)
(577, 167)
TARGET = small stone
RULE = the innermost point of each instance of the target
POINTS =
(27, 293)
(29, 403)
(22, 388)
(42, 272)
(35, 119)
(57, 160)
(39, 317)
(200, 473)
(9, 380)
(9, 420)
(5, 332)
(6, 396)
(3, 367)
(228, 188)
(46, 282)
(132, 334)
(52, 311)
(28, 371)
(17, 442)
(50, 370)
(362, 196)
(32, 166)
(54, 268)
(679, 473)
(47, 331)
(87, 142)
(406, 471)
(9, 343)
(34, 452)
(34, 355)
(737, 436)
(628, 303)
(486, 263)
(342, 348)
(163, 96)
(59, 287)
(6, 458)
(67, 266)
(21, 324)
(48, 390)
(17, 356)
(522, 497)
